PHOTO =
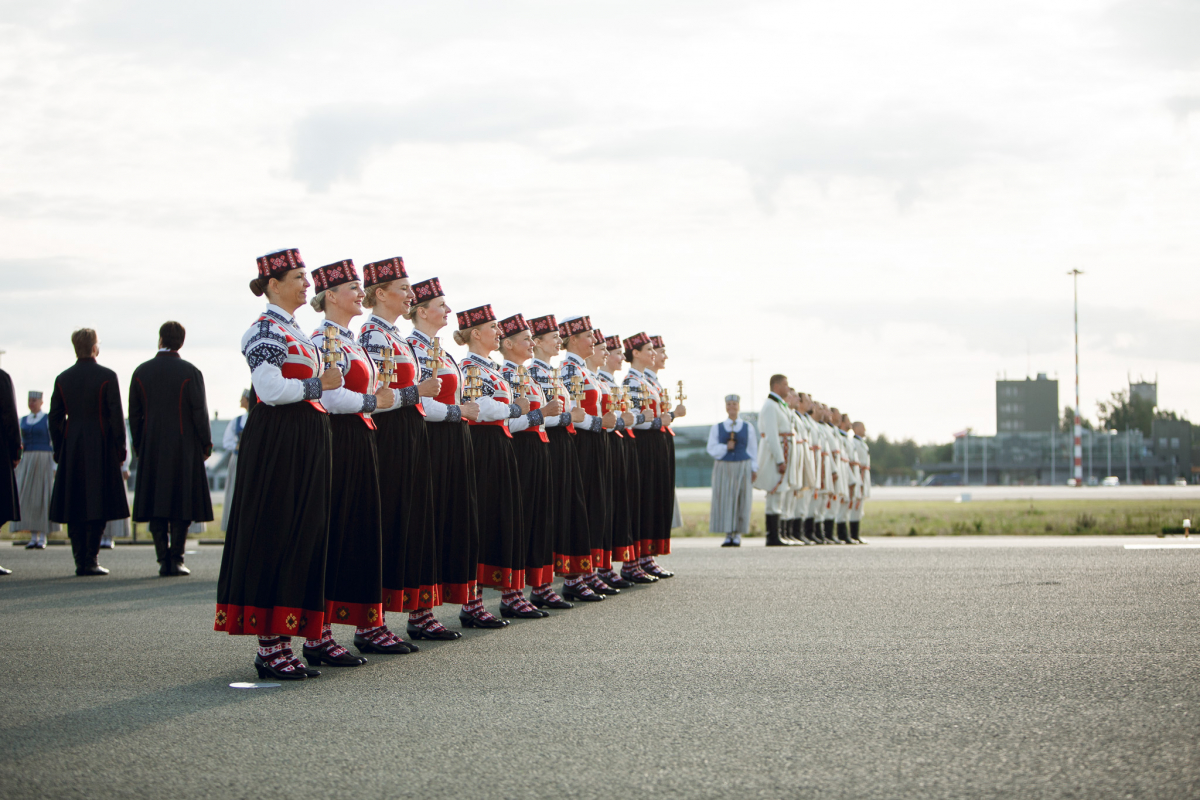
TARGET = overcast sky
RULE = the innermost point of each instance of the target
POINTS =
(879, 199)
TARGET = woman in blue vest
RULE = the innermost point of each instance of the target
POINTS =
(734, 444)
(35, 476)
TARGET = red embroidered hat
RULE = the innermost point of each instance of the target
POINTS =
(512, 326)
(597, 337)
(574, 325)
(656, 341)
(427, 290)
(636, 341)
(334, 274)
(540, 325)
(390, 269)
(612, 342)
(273, 265)
(475, 316)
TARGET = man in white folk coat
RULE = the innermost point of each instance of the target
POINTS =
(776, 442)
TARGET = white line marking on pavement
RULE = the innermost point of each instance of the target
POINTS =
(240, 685)
(1180, 546)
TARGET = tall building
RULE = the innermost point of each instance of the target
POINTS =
(1145, 391)
(1028, 405)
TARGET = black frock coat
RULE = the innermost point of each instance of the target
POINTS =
(10, 450)
(87, 430)
(170, 434)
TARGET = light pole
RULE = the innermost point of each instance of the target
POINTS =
(1127, 473)
(1111, 434)
(1052, 427)
(1075, 273)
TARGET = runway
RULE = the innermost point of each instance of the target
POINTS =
(908, 668)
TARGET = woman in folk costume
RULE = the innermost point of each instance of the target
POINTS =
(10, 438)
(591, 443)
(412, 558)
(353, 567)
(573, 543)
(617, 499)
(531, 446)
(626, 493)
(653, 466)
(497, 485)
(671, 501)
(35, 476)
(272, 580)
(230, 441)
(452, 458)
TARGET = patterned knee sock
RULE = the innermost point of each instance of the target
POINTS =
(326, 636)
(546, 592)
(276, 652)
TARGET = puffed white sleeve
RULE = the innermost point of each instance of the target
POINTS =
(266, 358)
(229, 439)
(342, 400)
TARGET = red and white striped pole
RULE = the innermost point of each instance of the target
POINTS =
(1075, 273)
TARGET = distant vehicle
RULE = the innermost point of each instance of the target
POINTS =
(1180, 482)
(943, 479)
(1111, 480)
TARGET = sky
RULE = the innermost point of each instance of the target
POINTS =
(880, 200)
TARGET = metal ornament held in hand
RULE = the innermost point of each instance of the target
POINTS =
(331, 346)
(682, 396)
(524, 382)
(576, 387)
(434, 359)
(473, 383)
(387, 373)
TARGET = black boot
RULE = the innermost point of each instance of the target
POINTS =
(785, 531)
(178, 545)
(158, 531)
(827, 525)
(843, 533)
(808, 531)
(798, 532)
(773, 539)
(854, 532)
(88, 552)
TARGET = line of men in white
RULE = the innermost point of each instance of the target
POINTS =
(813, 463)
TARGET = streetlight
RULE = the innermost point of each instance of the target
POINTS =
(1075, 273)
(1111, 434)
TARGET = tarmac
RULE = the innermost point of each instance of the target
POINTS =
(915, 668)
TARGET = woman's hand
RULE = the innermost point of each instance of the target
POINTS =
(331, 379)
(630, 419)
(523, 404)
(429, 387)
(385, 397)
(680, 411)
(470, 411)
(552, 409)
(609, 421)
(578, 414)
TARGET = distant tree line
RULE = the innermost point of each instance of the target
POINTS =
(901, 459)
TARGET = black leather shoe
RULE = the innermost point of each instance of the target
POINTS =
(35, 545)
(316, 655)
(542, 602)
(399, 647)
(658, 572)
(728, 543)
(4, 571)
(583, 593)
(177, 568)
(444, 635)
(619, 583)
(468, 621)
(643, 578)
(600, 587)
(94, 569)
(508, 612)
(264, 671)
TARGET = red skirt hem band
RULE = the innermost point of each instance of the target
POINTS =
(602, 559)
(458, 593)
(572, 565)
(660, 547)
(278, 621)
(627, 553)
(540, 576)
(500, 577)
(360, 615)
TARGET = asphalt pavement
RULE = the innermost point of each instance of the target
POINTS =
(887, 670)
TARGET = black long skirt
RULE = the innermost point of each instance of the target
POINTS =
(501, 523)
(624, 530)
(592, 449)
(534, 467)
(662, 546)
(572, 535)
(353, 566)
(411, 553)
(455, 511)
(272, 580)
(655, 473)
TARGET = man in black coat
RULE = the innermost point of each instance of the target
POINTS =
(168, 426)
(87, 430)
(10, 451)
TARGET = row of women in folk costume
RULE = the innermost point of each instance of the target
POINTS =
(815, 466)
(376, 473)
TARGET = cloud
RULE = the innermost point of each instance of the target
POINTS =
(1183, 106)
(1164, 31)
(334, 142)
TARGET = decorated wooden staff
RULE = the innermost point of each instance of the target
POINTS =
(387, 373)
(331, 347)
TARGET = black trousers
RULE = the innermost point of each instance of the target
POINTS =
(85, 541)
(170, 536)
